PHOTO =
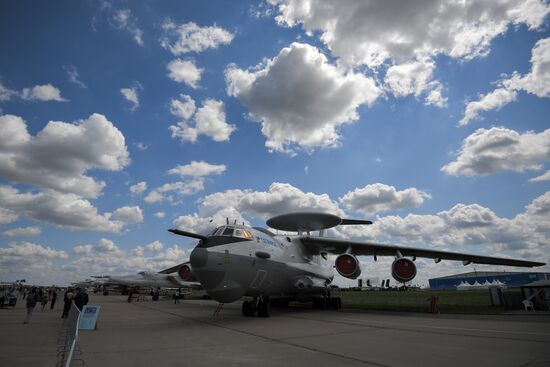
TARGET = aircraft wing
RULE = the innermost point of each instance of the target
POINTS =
(184, 284)
(316, 245)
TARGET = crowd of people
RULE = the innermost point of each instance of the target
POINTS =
(41, 297)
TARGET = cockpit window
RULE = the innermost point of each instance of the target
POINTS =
(228, 231)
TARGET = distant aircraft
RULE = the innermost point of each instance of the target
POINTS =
(147, 279)
(235, 261)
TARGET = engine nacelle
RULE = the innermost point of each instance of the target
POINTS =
(348, 266)
(185, 272)
(403, 270)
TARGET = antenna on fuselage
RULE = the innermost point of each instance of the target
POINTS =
(235, 222)
(226, 220)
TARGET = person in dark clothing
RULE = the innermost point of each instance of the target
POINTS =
(54, 298)
(32, 300)
(67, 299)
(81, 299)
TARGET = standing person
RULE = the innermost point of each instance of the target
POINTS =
(54, 298)
(32, 299)
(44, 299)
(67, 300)
(81, 298)
(177, 297)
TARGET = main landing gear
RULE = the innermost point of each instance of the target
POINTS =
(327, 302)
(259, 305)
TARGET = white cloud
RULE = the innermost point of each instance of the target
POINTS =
(128, 214)
(378, 197)
(67, 211)
(22, 232)
(208, 120)
(159, 215)
(124, 20)
(415, 78)
(184, 108)
(300, 98)
(155, 246)
(82, 249)
(138, 188)
(370, 32)
(179, 188)
(131, 95)
(491, 101)
(498, 149)
(184, 71)
(106, 246)
(189, 37)
(61, 153)
(72, 74)
(197, 169)
(544, 177)
(536, 82)
(6, 93)
(7, 216)
(25, 249)
(45, 92)
(141, 146)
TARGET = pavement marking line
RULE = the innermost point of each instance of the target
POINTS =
(400, 326)
(448, 328)
(281, 341)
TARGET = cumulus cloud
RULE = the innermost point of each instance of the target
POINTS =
(370, 32)
(189, 37)
(21, 250)
(123, 19)
(7, 216)
(128, 214)
(67, 211)
(378, 197)
(167, 191)
(300, 98)
(498, 149)
(536, 82)
(99, 259)
(155, 246)
(6, 93)
(22, 232)
(159, 215)
(74, 77)
(138, 188)
(544, 177)
(415, 78)
(207, 120)
(131, 95)
(491, 101)
(46, 92)
(197, 169)
(61, 153)
(184, 71)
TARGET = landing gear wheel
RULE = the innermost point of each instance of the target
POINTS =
(248, 309)
(263, 308)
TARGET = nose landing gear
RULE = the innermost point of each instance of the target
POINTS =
(259, 305)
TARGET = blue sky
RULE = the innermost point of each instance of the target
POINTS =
(120, 120)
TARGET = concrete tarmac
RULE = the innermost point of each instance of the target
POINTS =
(167, 334)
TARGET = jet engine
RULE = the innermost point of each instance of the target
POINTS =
(348, 266)
(403, 270)
(185, 272)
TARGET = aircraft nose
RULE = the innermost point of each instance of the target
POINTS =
(198, 257)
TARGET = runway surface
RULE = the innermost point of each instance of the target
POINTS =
(167, 334)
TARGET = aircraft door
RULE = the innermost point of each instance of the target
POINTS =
(258, 279)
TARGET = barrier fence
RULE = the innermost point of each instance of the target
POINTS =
(68, 339)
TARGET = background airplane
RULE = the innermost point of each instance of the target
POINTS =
(146, 279)
(235, 261)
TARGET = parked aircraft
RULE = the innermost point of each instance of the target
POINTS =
(235, 261)
(147, 279)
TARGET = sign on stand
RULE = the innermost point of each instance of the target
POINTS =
(88, 318)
